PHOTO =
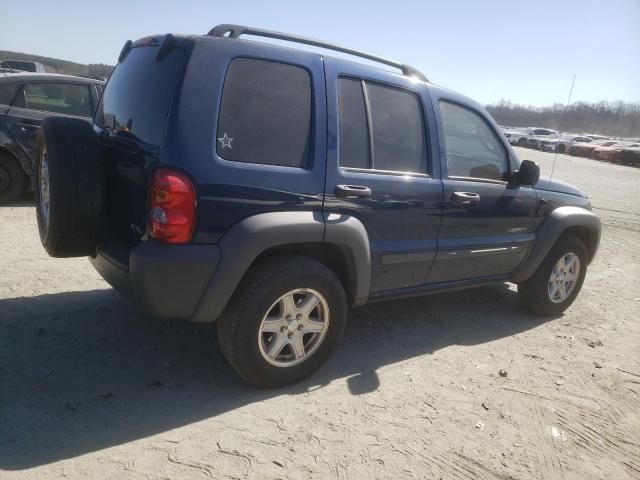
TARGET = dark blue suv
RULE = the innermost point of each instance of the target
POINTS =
(269, 188)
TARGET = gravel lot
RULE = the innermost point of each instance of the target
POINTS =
(88, 389)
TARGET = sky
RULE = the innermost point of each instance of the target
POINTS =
(523, 51)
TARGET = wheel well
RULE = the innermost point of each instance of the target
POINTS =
(585, 234)
(331, 256)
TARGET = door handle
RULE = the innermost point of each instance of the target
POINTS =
(465, 198)
(352, 191)
(28, 125)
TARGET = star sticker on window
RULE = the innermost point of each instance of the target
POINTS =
(225, 141)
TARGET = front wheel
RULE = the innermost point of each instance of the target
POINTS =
(558, 280)
(283, 322)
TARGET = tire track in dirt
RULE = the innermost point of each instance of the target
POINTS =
(598, 434)
(548, 459)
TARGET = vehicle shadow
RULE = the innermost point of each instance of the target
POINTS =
(82, 371)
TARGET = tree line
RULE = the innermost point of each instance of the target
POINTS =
(618, 119)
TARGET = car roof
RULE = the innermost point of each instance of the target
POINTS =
(31, 76)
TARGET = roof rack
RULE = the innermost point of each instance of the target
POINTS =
(234, 31)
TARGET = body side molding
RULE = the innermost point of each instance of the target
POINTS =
(557, 222)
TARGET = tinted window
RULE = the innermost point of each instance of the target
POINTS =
(8, 92)
(138, 94)
(473, 150)
(265, 116)
(70, 99)
(20, 65)
(396, 128)
(354, 135)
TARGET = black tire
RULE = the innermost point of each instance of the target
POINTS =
(522, 141)
(534, 293)
(13, 180)
(75, 187)
(239, 325)
(560, 148)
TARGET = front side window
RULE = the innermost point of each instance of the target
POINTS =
(473, 149)
(265, 115)
(66, 98)
(380, 127)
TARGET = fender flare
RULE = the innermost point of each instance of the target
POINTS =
(558, 221)
(250, 237)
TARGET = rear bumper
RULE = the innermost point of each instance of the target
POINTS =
(164, 280)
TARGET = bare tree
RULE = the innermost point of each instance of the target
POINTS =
(606, 118)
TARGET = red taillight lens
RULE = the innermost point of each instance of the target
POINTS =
(172, 207)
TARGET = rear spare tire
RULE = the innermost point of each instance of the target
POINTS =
(68, 187)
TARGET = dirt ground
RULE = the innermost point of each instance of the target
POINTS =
(88, 389)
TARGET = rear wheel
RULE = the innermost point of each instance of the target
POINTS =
(13, 180)
(522, 141)
(558, 280)
(560, 148)
(283, 322)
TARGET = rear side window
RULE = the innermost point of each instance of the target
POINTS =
(381, 127)
(66, 98)
(265, 116)
(473, 148)
(138, 94)
(8, 92)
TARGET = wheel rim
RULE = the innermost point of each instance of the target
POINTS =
(564, 277)
(44, 188)
(293, 327)
(5, 179)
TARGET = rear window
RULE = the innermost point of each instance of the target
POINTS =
(265, 115)
(138, 94)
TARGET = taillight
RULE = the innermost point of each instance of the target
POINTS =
(172, 207)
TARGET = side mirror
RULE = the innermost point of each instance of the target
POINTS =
(529, 173)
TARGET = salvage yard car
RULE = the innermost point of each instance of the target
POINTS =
(629, 156)
(25, 100)
(610, 153)
(585, 149)
(268, 188)
(22, 66)
(563, 142)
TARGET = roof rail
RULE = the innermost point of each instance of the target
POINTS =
(234, 31)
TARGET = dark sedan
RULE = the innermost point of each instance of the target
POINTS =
(25, 100)
(629, 156)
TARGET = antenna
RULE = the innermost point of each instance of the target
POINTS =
(555, 157)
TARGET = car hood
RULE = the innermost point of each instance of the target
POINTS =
(560, 187)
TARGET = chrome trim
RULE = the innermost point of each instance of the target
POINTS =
(385, 172)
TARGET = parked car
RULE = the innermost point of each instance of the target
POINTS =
(585, 149)
(629, 156)
(268, 188)
(22, 65)
(593, 136)
(531, 136)
(610, 153)
(562, 143)
(514, 135)
(25, 100)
